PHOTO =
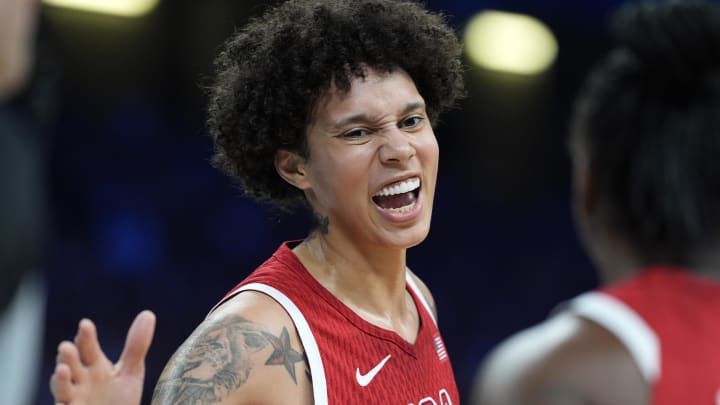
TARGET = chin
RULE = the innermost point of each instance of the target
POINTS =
(410, 237)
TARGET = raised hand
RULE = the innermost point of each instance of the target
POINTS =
(85, 376)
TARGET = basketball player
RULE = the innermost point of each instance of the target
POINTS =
(645, 142)
(329, 104)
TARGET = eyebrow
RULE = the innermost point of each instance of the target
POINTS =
(364, 117)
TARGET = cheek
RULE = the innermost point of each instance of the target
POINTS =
(351, 173)
(429, 152)
(337, 180)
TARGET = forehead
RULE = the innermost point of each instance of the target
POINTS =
(374, 94)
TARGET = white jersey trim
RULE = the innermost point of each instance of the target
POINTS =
(317, 371)
(623, 322)
(414, 287)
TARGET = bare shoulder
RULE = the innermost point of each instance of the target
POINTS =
(565, 360)
(425, 292)
(247, 351)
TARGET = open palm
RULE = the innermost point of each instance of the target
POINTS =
(85, 376)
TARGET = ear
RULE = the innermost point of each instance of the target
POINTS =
(291, 167)
(584, 189)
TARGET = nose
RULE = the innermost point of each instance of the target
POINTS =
(397, 147)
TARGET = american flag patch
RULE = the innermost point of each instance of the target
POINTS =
(440, 347)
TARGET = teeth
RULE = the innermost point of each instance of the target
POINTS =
(400, 188)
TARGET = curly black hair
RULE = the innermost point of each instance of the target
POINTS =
(271, 73)
(649, 119)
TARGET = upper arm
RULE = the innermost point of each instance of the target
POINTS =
(247, 351)
(425, 291)
(564, 361)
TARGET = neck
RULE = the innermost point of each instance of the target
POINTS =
(368, 278)
(706, 262)
(371, 282)
(614, 259)
(617, 260)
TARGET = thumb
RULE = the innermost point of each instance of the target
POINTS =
(137, 343)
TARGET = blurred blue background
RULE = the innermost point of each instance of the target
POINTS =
(141, 219)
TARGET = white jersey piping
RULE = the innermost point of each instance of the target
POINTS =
(414, 287)
(317, 371)
(623, 322)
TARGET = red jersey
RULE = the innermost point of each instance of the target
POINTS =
(669, 320)
(351, 360)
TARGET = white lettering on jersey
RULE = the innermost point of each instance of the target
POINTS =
(443, 396)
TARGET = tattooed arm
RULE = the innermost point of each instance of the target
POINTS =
(245, 352)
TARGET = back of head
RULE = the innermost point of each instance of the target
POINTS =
(648, 119)
(271, 73)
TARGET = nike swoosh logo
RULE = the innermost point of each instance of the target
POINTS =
(364, 379)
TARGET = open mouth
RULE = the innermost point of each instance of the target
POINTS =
(398, 197)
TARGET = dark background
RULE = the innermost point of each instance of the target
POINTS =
(141, 220)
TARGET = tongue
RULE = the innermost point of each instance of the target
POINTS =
(395, 201)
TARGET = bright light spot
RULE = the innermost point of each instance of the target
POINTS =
(509, 42)
(123, 8)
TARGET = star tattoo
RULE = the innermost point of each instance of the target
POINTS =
(282, 353)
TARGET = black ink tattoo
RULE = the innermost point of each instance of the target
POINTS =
(216, 359)
(323, 225)
(283, 354)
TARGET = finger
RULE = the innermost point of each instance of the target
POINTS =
(87, 343)
(137, 343)
(68, 354)
(61, 385)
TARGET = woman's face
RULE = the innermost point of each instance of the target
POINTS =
(373, 161)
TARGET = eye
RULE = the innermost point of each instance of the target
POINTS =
(356, 133)
(412, 122)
